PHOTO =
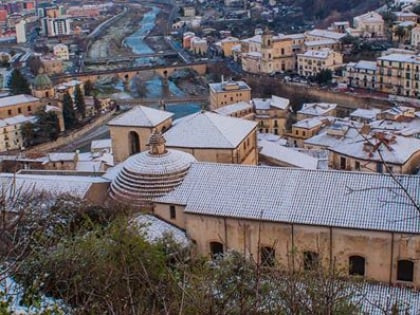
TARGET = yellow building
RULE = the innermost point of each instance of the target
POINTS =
(310, 110)
(228, 92)
(332, 217)
(361, 74)
(215, 138)
(19, 105)
(399, 74)
(11, 132)
(313, 61)
(130, 131)
(271, 114)
(370, 24)
(267, 53)
(307, 128)
(227, 44)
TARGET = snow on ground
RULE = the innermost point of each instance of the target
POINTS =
(156, 229)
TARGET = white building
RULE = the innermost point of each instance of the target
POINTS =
(61, 52)
(370, 24)
(21, 32)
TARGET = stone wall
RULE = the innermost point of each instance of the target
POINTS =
(65, 140)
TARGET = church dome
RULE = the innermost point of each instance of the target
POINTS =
(42, 81)
(151, 174)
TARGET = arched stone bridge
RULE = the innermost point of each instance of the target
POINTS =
(129, 73)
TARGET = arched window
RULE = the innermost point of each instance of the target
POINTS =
(405, 270)
(216, 249)
(310, 260)
(356, 266)
(134, 142)
(268, 256)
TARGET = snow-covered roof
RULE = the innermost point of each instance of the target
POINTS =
(328, 140)
(287, 156)
(233, 108)
(365, 65)
(141, 116)
(370, 17)
(156, 229)
(397, 151)
(18, 119)
(313, 122)
(354, 200)
(17, 100)
(320, 42)
(274, 101)
(271, 137)
(208, 130)
(321, 54)
(325, 34)
(401, 58)
(55, 185)
(229, 86)
(101, 144)
(317, 109)
(368, 114)
(61, 156)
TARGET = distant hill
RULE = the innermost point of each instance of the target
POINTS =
(326, 11)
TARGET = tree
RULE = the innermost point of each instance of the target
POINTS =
(79, 102)
(34, 63)
(88, 87)
(323, 77)
(28, 134)
(47, 127)
(416, 9)
(400, 32)
(18, 83)
(69, 114)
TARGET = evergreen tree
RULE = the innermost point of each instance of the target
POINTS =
(79, 101)
(18, 83)
(88, 87)
(68, 112)
(47, 126)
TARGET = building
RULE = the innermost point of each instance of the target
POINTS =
(310, 110)
(228, 92)
(415, 37)
(399, 74)
(267, 53)
(242, 110)
(11, 132)
(16, 105)
(215, 138)
(333, 216)
(307, 128)
(406, 16)
(370, 24)
(42, 86)
(130, 131)
(60, 26)
(313, 61)
(21, 32)
(361, 74)
(319, 34)
(198, 46)
(61, 52)
(52, 65)
(227, 44)
(379, 152)
(271, 114)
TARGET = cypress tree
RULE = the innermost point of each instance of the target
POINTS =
(79, 101)
(68, 112)
(18, 83)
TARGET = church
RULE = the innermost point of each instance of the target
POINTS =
(366, 223)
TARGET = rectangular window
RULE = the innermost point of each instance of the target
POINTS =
(172, 212)
(357, 165)
(342, 163)
(9, 112)
(19, 110)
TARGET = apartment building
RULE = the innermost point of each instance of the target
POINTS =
(313, 61)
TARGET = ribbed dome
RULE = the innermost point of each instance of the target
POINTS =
(42, 81)
(145, 176)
